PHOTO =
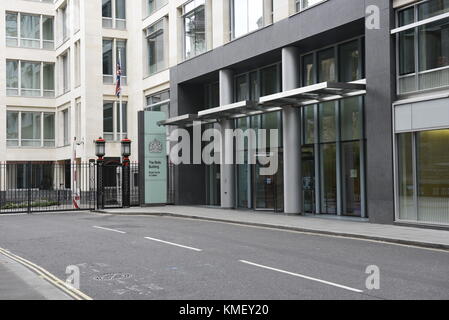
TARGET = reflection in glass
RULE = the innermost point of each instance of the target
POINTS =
(433, 176)
(351, 174)
(328, 122)
(328, 178)
(407, 209)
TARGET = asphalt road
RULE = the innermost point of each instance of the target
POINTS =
(146, 257)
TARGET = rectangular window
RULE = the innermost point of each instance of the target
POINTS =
(31, 74)
(66, 127)
(31, 78)
(349, 64)
(156, 47)
(423, 176)
(304, 4)
(194, 21)
(248, 16)
(114, 51)
(65, 62)
(308, 70)
(31, 129)
(12, 129)
(154, 5)
(423, 51)
(114, 14)
(113, 120)
(326, 65)
(25, 129)
(24, 30)
(159, 102)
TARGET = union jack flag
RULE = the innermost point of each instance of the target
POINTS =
(118, 87)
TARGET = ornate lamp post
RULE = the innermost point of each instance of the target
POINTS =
(100, 151)
(126, 186)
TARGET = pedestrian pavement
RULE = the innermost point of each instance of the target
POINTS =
(19, 283)
(337, 226)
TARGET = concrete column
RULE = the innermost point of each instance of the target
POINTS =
(291, 135)
(227, 170)
(381, 88)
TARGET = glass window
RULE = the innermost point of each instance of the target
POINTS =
(433, 176)
(432, 8)
(121, 55)
(328, 157)
(159, 102)
(31, 78)
(49, 129)
(247, 16)
(406, 188)
(120, 9)
(434, 45)
(304, 4)
(154, 5)
(326, 65)
(30, 30)
(406, 16)
(12, 129)
(124, 119)
(108, 121)
(11, 29)
(270, 80)
(309, 124)
(241, 87)
(107, 57)
(48, 32)
(66, 127)
(351, 118)
(107, 8)
(407, 52)
(156, 47)
(194, 28)
(12, 77)
(328, 122)
(49, 79)
(66, 73)
(308, 72)
(349, 64)
(31, 129)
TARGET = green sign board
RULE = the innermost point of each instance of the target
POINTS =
(155, 159)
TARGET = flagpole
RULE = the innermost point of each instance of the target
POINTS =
(120, 97)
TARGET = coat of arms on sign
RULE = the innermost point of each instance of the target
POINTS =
(155, 146)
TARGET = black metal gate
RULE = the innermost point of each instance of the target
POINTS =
(46, 186)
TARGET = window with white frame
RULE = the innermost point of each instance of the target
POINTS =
(64, 72)
(77, 63)
(250, 15)
(63, 21)
(78, 120)
(423, 46)
(30, 129)
(29, 78)
(29, 30)
(159, 101)
(65, 115)
(194, 23)
(114, 121)
(114, 14)
(153, 5)
(114, 51)
(156, 41)
(305, 4)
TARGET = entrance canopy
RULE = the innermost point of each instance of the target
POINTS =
(313, 94)
(180, 121)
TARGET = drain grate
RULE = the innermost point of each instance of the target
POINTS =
(112, 276)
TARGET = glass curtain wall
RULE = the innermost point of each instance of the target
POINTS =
(254, 190)
(333, 135)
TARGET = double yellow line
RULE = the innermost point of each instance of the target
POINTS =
(72, 292)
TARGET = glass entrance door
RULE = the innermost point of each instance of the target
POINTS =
(308, 179)
(213, 180)
(328, 178)
(351, 187)
(264, 190)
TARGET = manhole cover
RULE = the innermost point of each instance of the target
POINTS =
(112, 276)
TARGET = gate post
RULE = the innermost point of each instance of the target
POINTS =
(100, 151)
(29, 184)
(126, 192)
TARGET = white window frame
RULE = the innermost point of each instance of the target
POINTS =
(42, 43)
(117, 136)
(43, 92)
(19, 128)
(111, 79)
(111, 23)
